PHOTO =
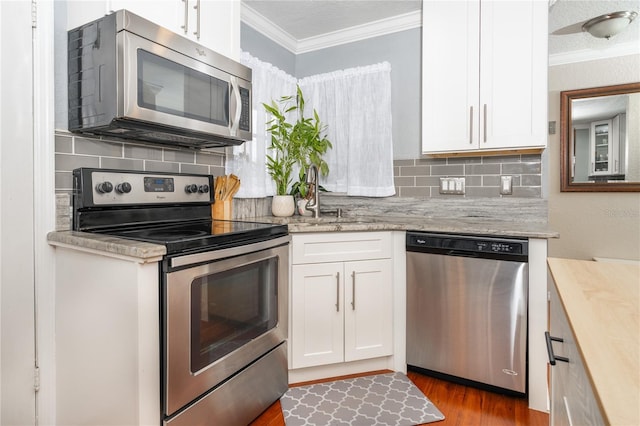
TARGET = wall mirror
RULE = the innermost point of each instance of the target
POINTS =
(600, 139)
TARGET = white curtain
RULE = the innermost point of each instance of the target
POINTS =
(355, 104)
(248, 161)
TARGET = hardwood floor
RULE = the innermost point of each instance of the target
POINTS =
(461, 406)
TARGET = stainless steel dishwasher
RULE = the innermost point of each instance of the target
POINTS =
(467, 309)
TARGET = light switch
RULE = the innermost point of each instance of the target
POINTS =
(444, 185)
(449, 185)
(506, 187)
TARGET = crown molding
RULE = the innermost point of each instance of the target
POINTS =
(385, 26)
(622, 49)
(359, 32)
(267, 28)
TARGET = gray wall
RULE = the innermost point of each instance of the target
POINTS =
(267, 50)
(401, 50)
(414, 175)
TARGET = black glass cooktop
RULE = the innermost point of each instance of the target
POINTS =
(202, 235)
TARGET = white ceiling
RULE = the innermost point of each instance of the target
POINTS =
(311, 18)
(301, 20)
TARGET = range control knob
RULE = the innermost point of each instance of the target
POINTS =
(204, 189)
(191, 189)
(104, 187)
(123, 188)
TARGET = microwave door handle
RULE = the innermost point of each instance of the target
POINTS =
(235, 91)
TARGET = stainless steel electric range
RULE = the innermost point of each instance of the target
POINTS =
(223, 287)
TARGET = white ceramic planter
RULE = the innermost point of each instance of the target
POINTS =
(283, 205)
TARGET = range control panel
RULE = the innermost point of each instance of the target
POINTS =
(101, 187)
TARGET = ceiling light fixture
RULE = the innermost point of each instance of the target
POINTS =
(609, 25)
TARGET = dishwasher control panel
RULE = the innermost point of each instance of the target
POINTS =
(465, 244)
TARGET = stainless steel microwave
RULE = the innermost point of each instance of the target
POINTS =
(133, 79)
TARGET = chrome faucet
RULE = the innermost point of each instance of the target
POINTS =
(312, 182)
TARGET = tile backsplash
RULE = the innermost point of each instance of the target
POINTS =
(416, 179)
(421, 177)
(73, 151)
(413, 178)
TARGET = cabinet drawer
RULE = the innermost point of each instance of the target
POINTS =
(343, 246)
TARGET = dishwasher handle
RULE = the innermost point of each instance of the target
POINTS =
(462, 253)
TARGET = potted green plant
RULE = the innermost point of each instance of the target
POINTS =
(299, 143)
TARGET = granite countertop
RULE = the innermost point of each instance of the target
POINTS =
(470, 225)
(148, 252)
(602, 303)
(138, 251)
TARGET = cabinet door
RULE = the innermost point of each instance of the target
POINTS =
(572, 399)
(317, 309)
(368, 324)
(166, 13)
(484, 75)
(513, 74)
(450, 80)
(80, 12)
(219, 26)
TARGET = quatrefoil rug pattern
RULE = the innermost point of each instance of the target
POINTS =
(380, 399)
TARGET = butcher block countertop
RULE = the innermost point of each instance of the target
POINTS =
(601, 300)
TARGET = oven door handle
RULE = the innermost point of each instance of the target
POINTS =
(208, 256)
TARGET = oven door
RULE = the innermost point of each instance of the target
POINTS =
(221, 315)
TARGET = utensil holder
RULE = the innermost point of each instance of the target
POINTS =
(222, 210)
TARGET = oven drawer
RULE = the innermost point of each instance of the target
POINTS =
(340, 247)
(266, 380)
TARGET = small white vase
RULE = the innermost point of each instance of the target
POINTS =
(283, 205)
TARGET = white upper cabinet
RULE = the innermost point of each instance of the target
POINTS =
(484, 76)
(212, 23)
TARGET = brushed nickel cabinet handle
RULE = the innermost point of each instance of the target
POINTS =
(471, 124)
(338, 292)
(185, 26)
(485, 123)
(197, 8)
(353, 290)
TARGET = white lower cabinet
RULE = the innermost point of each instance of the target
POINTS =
(341, 298)
(572, 399)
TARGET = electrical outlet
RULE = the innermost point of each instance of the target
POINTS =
(506, 187)
(450, 185)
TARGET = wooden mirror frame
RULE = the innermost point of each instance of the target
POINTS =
(565, 136)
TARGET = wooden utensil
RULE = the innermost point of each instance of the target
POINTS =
(220, 187)
(232, 191)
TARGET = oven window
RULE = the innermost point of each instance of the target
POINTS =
(230, 308)
(175, 89)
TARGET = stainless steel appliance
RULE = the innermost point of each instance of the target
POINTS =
(467, 309)
(131, 78)
(223, 289)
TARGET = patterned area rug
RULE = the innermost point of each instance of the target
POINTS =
(381, 399)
